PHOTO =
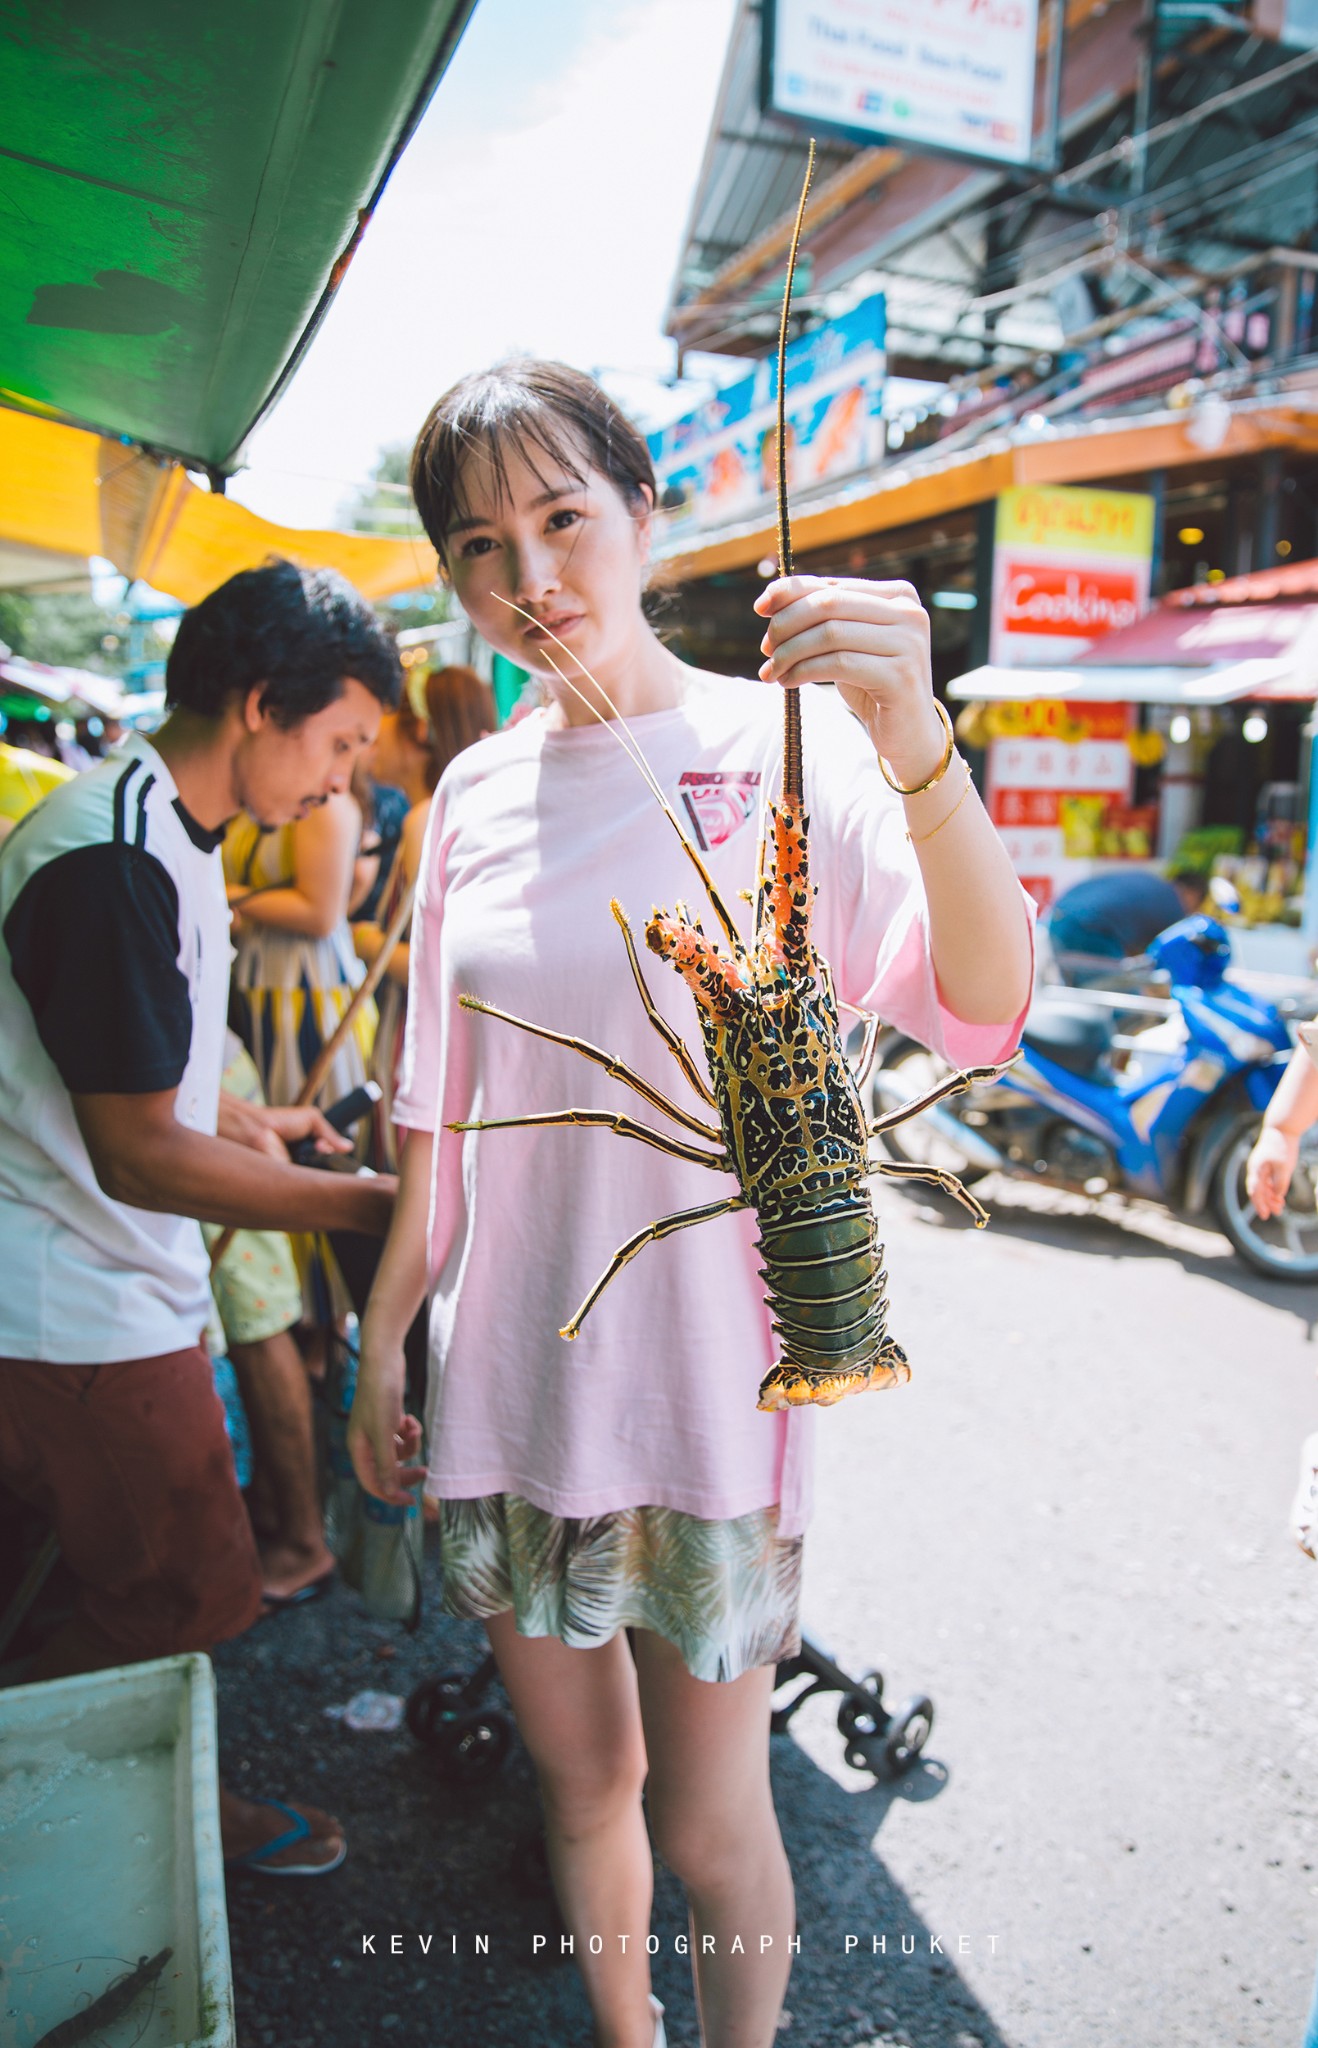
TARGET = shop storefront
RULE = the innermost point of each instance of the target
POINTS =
(1183, 737)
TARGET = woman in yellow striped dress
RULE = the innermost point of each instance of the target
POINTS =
(296, 968)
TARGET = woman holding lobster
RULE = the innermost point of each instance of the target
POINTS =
(628, 1480)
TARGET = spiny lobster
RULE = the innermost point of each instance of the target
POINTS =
(792, 1125)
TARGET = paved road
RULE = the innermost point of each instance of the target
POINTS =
(1070, 1530)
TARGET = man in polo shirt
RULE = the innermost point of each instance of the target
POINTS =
(114, 1136)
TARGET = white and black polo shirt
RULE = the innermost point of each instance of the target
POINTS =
(114, 975)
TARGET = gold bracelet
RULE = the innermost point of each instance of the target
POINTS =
(947, 819)
(919, 788)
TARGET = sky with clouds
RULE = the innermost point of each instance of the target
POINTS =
(539, 206)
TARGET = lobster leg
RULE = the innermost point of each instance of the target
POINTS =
(869, 1046)
(933, 1176)
(650, 1235)
(671, 1038)
(616, 1068)
(955, 1084)
(603, 1119)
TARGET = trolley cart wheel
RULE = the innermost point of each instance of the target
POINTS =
(863, 1716)
(433, 1704)
(907, 1732)
(472, 1747)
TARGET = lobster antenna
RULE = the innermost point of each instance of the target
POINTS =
(632, 748)
(793, 782)
(618, 726)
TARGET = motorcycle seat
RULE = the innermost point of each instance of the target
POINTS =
(1071, 1035)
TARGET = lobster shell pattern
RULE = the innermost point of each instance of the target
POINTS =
(795, 1130)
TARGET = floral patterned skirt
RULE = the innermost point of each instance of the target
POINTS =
(726, 1594)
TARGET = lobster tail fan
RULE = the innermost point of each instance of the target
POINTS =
(793, 790)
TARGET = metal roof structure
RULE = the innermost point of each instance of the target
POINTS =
(750, 175)
(1177, 169)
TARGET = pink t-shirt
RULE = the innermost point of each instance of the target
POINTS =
(530, 834)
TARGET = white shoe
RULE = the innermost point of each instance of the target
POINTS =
(660, 2037)
(1304, 1507)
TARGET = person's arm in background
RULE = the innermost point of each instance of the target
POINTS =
(367, 937)
(93, 947)
(142, 1155)
(380, 1436)
(1292, 1109)
(366, 865)
(316, 901)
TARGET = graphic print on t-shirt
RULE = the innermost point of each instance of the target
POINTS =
(718, 803)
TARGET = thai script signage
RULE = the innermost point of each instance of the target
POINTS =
(1059, 784)
(1068, 567)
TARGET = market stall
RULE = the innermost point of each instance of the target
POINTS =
(1183, 736)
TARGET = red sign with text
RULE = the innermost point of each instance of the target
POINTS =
(1056, 601)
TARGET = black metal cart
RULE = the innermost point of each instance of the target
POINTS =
(470, 1738)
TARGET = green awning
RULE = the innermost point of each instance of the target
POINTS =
(184, 185)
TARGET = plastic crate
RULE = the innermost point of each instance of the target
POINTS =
(110, 1852)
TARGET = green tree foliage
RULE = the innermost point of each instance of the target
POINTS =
(68, 629)
(384, 505)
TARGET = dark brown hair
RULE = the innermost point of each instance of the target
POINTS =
(532, 408)
(459, 711)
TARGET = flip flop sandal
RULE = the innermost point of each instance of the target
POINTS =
(316, 1590)
(257, 1859)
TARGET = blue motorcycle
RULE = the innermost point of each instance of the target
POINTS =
(1157, 1097)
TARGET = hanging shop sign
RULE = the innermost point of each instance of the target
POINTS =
(716, 464)
(1060, 778)
(956, 76)
(1068, 567)
(1169, 351)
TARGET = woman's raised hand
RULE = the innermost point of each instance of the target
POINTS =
(872, 640)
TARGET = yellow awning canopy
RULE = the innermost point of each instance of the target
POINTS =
(78, 493)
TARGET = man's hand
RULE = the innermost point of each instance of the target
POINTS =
(1268, 1170)
(272, 1131)
(373, 1196)
(291, 1126)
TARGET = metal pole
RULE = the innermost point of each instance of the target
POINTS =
(1050, 153)
(1145, 88)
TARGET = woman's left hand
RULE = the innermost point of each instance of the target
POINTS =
(872, 640)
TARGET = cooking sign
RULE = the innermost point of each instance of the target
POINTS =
(1068, 567)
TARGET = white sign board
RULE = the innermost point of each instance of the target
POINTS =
(953, 75)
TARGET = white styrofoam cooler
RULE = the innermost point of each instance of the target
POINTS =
(110, 1851)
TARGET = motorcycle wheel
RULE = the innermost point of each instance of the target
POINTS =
(1284, 1247)
(916, 1070)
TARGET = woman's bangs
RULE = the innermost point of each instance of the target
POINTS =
(516, 425)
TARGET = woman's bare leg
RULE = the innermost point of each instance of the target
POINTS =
(577, 1713)
(713, 1821)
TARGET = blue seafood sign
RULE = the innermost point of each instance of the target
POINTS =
(715, 465)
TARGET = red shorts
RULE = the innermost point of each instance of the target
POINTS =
(132, 1465)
